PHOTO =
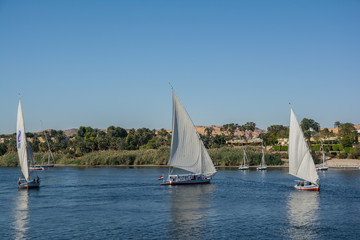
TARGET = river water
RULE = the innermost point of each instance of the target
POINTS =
(129, 203)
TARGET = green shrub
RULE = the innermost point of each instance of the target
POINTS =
(327, 148)
(348, 149)
(9, 160)
(342, 155)
(336, 147)
(315, 147)
(284, 148)
(223, 156)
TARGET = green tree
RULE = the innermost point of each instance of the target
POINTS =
(278, 130)
(208, 131)
(229, 128)
(347, 133)
(251, 126)
(117, 132)
(153, 144)
(102, 143)
(346, 129)
(218, 140)
(346, 141)
(164, 137)
(3, 149)
(309, 127)
(35, 144)
(337, 124)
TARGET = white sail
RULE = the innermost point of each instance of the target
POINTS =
(323, 155)
(263, 164)
(22, 143)
(187, 150)
(301, 163)
(245, 158)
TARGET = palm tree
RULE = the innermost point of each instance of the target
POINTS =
(208, 131)
(337, 124)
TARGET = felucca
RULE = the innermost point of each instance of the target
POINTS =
(50, 156)
(187, 150)
(33, 166)
(262, 164)
(323, 167)
(301, 163)
(243, 166)
(25, 153)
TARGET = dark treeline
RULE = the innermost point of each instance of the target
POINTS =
(90, 139)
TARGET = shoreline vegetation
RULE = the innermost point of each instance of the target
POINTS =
(116, 146)
(224, 157)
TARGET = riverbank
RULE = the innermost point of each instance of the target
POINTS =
(224, 156)
(230, 157)
(343, 163)
(332, 163)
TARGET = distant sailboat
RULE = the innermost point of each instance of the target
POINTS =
(33, 166)
(25, 153)
(263, 164)
(243, 166)
(187, 150)
(301, 163)
(323, 167)
(50, 156)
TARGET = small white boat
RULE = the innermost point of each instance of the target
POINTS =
(305, 185)
(244, 166)
(25, 153)
(36, 168)
(323, 167)
(187, 150)
(32, 162)
(301, 163)
(263, 164)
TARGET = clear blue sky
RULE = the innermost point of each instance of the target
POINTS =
(102, 63)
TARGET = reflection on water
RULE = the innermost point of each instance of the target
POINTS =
(189, 207)
(262, 174)
(21, 215)
(303, 214)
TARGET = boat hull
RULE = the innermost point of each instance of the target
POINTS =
(36, 168)
(186, 179)
(46, 166)
(261, 168)
(243, 168)
(322, 169)
(306, 186)
(29, 185)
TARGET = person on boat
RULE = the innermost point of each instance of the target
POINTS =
(37, 179)
(19, 182)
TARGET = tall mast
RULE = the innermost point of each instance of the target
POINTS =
(50, 153)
